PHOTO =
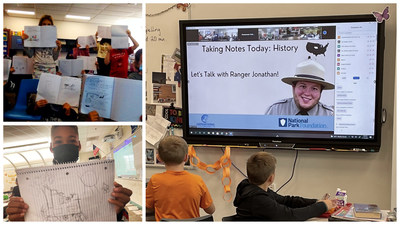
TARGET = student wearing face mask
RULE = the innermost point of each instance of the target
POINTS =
(65, 146)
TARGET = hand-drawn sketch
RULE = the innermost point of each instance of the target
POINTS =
(61, 207)
(68, 192)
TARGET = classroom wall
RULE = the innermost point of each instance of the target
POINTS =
(71, 30)
(367, 177)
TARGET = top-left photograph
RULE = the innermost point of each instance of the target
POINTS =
(73, 62)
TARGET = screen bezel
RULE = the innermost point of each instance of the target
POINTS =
(372, 145)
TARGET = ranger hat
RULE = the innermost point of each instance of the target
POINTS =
(310, 71)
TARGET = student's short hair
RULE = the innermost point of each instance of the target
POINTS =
(46, 17)
(172, 150)
(260, 166)
(53, 129)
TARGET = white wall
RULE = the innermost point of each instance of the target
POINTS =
(367, 177)
(71, 30)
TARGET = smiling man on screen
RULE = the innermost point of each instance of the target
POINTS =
(307, 83)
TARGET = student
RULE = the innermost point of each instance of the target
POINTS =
(118, 59)
(65, 146)
(43, 58)
(255, 201)
(176, 193)
(102, 50)
(77, 51)
(51, 112)
(136, 69)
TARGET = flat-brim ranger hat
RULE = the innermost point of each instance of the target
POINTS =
(310, 71)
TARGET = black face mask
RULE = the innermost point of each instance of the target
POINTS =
(66, 153)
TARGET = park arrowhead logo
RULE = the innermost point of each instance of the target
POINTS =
(282, 122)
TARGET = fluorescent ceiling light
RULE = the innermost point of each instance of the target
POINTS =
(78, 17)
(26, 148)
(20, 12)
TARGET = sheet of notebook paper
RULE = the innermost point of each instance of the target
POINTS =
(68, 192)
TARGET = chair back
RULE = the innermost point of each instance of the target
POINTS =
(232, 218)
(27, 86)
(197, 219)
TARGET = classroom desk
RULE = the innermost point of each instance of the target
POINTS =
(319, 219)
(134, 211)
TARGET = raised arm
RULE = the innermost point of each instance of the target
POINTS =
(135, 43)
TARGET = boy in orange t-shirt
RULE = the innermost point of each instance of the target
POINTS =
(176, 193)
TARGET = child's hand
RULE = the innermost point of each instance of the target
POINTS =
(67, 108)
(58, 43)
(128, 32)
(41, 103)
(16, 209)
(330, 204)
(87, 46)
(94, 116)
(24, 36)
(121, 197)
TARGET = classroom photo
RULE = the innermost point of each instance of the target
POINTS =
(72, 173)
(73, 62)
(270, 112)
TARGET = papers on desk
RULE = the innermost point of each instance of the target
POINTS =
(156, 128)
(58, 89)
(87, 40)
(40, 36)
(119, 37)
(346, 213)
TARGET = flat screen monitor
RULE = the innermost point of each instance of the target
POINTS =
(297, 83)
(124, 158)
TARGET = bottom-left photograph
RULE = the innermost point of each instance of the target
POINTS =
(72, 173)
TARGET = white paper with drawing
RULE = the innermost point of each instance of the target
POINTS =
(87, 40)
(68, 192)
(59, 90)
(97, 95)
(6, 68)
(127, 100)
(89, 62)
(104, 31)
(22, 65)
(70, 67)
(40, 36)
(119, 37)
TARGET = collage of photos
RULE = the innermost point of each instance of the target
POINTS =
(188, 112)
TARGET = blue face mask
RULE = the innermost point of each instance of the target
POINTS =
(140, 68)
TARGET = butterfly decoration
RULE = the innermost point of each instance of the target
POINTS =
(183, 5)
(380, 17)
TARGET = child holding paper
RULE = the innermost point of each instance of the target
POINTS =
(118, 58)
(102, 49)
(44, 58)
(65, 147)
(176, 193)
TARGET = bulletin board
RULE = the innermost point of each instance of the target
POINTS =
(162, 39)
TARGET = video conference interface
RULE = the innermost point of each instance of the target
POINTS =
(235, 75)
